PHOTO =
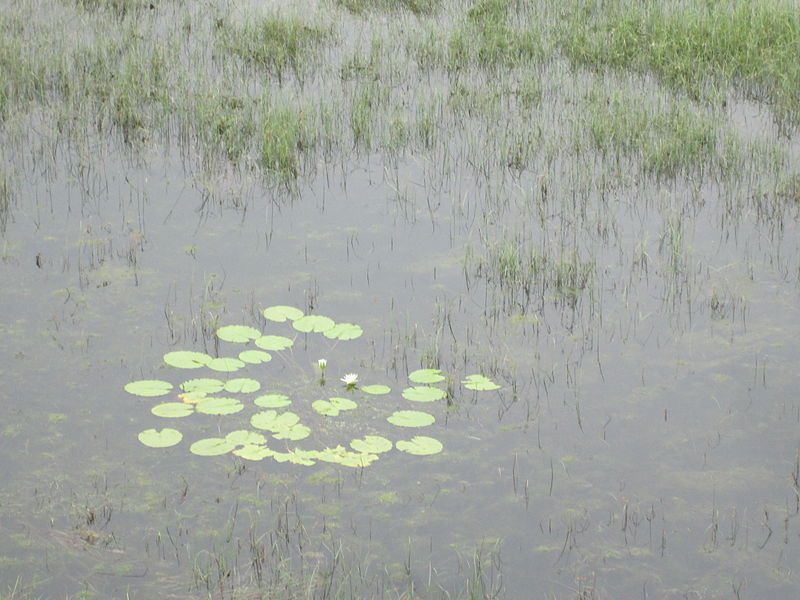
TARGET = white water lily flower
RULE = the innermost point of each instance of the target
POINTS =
(350, 379)
(322, 364)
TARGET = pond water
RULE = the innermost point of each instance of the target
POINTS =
(644, 331)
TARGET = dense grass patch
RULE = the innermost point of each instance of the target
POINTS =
(418, 7)
(274, 42)
(691, 45)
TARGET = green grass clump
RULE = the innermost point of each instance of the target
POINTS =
(666, 139)
(752, 44)
(418, 7)
(274, 43)
(286, 134)
(224, 123)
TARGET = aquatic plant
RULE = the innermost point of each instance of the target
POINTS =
(199, 396)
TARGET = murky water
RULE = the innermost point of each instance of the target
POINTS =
(644, 442)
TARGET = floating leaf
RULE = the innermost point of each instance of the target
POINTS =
(295, 432)
(272, 401)
(255, 357)
(271, 420)
(253, 452)
(420, 445)
(242, 385)
(274, 342)
(371, 444)
(160, 439)
(211, 447)
(332, 406)
(376, 389)
(186, 359)
(191, 397)
(282, 313)
(148, 387)
(296, 456)
(219, 406)
(313, 323)
(172, 410)
(343, 331)
(205, 385)
(342, 456)
(423, 393)
(426, 376)
(480, 383)
(225, 364)
(245, 437)
(238, 333)
(411, 418)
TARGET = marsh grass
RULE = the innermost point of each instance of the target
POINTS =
(417, 7)
(287, 134)
(276, 43)
(691, 46)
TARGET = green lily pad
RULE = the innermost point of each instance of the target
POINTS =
(204, 385)
(295, 432)
(271, 420)
(226, 365)
(297, 457)
(342, 456)
(172, 410)
(272, 401)
(426, 376)
(274, 342)
(211, 447)
(423, 393)
(480, 383)
(219, 406)
(376, 389)
(371, 444)
(332, 406)
(245, 437)
(238, 333)
(186, 359)
(411, 418)
(148, 387)
(242, 385)
(255, 357)
(253, 452)
(420, 445)
(282, 313)
(160, 439)
(343, 331)
(313, 323)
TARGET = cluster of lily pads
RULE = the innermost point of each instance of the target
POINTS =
(215, 396)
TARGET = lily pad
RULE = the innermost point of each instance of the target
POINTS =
(297, 457)
(148, 387)
(242, 385)
(226, 365)
(376, 389)
(160, 439)
(253, 452)
(371, 444)
(204, 385)
(342, 456)
(426, 376)
(186, 359)
(219, 406)
(238, 333)
(245, 437)
(255, 357)
(480, 383)
(343, 331)
(272, 401)
(172, 410)
(423, 393)
(295, 432)
(411, 418)
(420, 445)
(332, 406)
(313, 323)
(274, 342)
(282, 313)
(211, 447)
(271, 420)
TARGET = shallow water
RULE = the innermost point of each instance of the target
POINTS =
(643, 444)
